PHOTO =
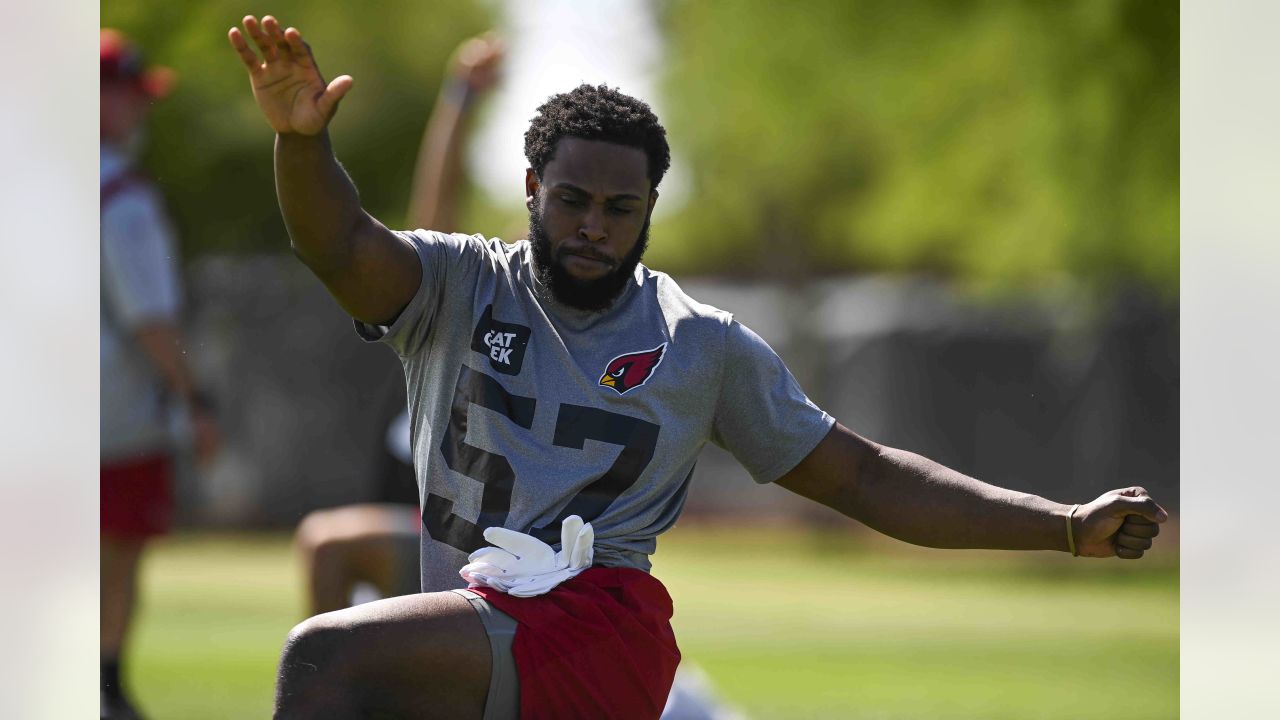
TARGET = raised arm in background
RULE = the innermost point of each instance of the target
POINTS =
(916, 500)
(370, 270)
(433, 197)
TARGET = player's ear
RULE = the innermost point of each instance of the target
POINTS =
(531, 185)
(653, 199)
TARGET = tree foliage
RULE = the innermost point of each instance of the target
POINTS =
(1005, 143)
(1002, 143)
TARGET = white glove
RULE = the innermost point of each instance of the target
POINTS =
(524, 566)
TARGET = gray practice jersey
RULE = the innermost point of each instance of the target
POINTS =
(525, 411)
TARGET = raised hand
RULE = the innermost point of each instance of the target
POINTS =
(477, 60)
(1119, 523)
(286, 82)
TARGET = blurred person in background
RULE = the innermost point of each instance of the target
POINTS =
(366, 551)
(149, 399)
(516, 356)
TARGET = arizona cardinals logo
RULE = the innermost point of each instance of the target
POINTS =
(630, 371)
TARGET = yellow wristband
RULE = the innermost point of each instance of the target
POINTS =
(1071, 539)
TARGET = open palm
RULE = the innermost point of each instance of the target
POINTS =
(286, 81)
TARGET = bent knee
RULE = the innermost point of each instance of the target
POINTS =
(314, 677)
(314, 646)
(331, 552)
(317, 527)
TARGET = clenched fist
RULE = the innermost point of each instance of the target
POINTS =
(1120, 523)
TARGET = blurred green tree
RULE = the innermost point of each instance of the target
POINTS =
(1005, 143)
(208, 145)
(1001, 143)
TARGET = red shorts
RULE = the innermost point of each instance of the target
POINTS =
(598, 646)
(136, 499)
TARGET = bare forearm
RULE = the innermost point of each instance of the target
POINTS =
(433, 196)
(919, 501)
(320, 205)
(916, 500)
(162, 344)
(370, 271)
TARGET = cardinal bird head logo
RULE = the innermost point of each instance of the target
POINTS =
(630, 371)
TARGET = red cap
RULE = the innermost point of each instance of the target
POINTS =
(122, 62)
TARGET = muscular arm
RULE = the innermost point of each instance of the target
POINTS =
(919, 501)
(371, 272)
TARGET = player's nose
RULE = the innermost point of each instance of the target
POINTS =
(592, 227)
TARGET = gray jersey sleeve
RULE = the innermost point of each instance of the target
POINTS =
(139, 274)
(449, 265)
(762, 416)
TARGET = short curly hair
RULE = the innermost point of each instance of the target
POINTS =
(597, 113)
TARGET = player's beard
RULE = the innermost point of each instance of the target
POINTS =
(594, 295)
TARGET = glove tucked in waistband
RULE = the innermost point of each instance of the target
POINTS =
(523, 565)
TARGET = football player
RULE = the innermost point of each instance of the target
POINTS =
(559, 393)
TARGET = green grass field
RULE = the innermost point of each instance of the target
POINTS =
(787, 624)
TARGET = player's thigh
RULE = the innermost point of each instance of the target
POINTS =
(375, 543)
(428, 650)
(347, 522)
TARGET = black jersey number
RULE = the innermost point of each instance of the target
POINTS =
(575, 424)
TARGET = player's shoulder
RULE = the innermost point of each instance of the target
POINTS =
(123, 187)
(493, 252)
(680, 308)
(473, 243)
(130, 196)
